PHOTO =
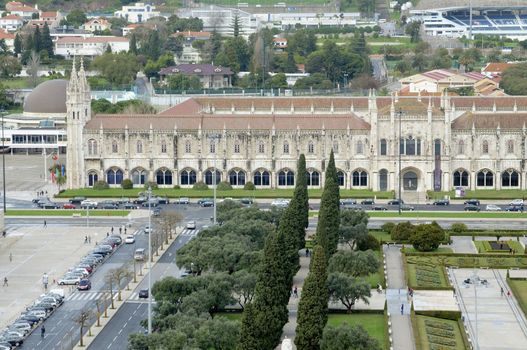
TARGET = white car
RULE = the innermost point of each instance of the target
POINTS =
(147, 229)
(516, 202)
(130, 239)
(89, 203)
(492, 207)
(280, 203)
(70, 280)
(191, 225)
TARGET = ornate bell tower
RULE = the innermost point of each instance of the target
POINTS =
(78, 98)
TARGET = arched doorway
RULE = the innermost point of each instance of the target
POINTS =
(410, 181)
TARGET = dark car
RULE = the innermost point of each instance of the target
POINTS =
(163, 200)
(352, 207)
(207, 204)
(246, 201)
(131, 206)
(201, 200)
(379, 208)
(143, 294)
(472, 202)
(109, 206)
(514, 208)
(348, 201)
(84, 284)
(368, 201)
(140, 200)
(441, 202)
(471, 207)
(77, 200)
(395, 202)
(152, 203)
(31, 319)
(51, 205)
(407, 207)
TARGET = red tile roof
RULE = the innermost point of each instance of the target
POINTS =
(50, 14)
(496, 67)
(17, 17)
(490, 121)
(6, 36)
(93, 39)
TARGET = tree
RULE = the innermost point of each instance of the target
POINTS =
(329, 215)
(176, 24)
(301, 192)
(348, 289)
(133, 44)
(236, 25)
(117, 68)
(9, 66)
(46, 42)
(402, 231)
(312, 308)
(76, 18)
(420, 62)
(279, 80)
(248, 333)
(60, 180)
(184, 82)
(234, 53)
(427, 237)
(356, 264)
(81, 320)
(37, 40)
(413, 29)
(167, 223)
(32, 69)
(315, 81)
(347, 337)
(17, 44)
(151, 45)
(244, 285)
(353, 227)
(514, 79)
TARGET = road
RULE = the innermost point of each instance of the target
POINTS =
(61, 330)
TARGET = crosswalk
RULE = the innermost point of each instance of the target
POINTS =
(87, 296)
(188, 232)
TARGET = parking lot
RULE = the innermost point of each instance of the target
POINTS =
(36, 250)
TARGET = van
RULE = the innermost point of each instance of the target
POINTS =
(139, 254)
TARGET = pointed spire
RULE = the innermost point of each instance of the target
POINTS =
(419, 96)
(429, 103)
(72, 86)
(396, 96)
(494, 106)
(515, 108)
(473, 106)
(82, 82)
(352, 107)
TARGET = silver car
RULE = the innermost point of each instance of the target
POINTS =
(69, 280)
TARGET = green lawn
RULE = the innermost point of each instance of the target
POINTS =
(442, 214)
(373, 323)
(519, 288)
(484, 247)
(176, 193)
(482, 194)
(425, 273)
(438, 333)
(410, 249)
(381, 236)
(234, 316)
(65, 212)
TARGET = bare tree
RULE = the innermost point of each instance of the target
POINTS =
(110, 279)
(81, 320)
(99, 303)
(167, 223)
(32, 68)
(119, 275)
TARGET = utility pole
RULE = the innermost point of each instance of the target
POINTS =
(400, 113)
(149, 260)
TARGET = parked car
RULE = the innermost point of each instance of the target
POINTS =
(518, 208)
(68, 206)
(348, 201)
(84, 284)
(352, 207)
(130, 239)
(163, 200)
(472, 202)
(246, 201)
(51, 205)
(280, 203)
(183, 200)
(140, 200)
(207, 203)
(407, 207)
(471, 207)
(201, 200)
(441, 202)
(131, 206)
(42, 202)
(89, 204)
(516, 202)
(153, 202)
(395, 202)
(77, 200)
(379, 208)
(31, 319)
(368, 201)
(12, 338)
(41, 314)
(492, 207)
(191, 225)
(24, 327)
(143, 294)
(87, 267)
(110, 206)
(69, 280)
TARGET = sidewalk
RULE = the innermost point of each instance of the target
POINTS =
(396, 296)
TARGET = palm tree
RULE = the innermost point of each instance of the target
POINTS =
(60, 180)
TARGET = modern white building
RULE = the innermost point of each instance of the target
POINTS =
(90, 46)
(138, 13)
(21, 9)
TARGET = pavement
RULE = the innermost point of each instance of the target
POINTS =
(495, 321)
(462, 244)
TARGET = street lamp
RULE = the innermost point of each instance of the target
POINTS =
(149, 260)
(213, 138)
(474, 280)
(2, 112)
(400, 113)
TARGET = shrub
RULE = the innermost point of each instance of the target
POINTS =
(459, 227)
(200, 185)
(101, 185)
(224, 186)
(177, 187)
(402, 231)
(370, 242)
(127, 184)
(388, 227)
(151, 184)
(249, 186)
(427, 237)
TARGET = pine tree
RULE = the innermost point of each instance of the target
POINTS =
(37, 40)
(133, 44)
(301, 187)
(328, 217)
(47, 42)
(248, 334)
(236, 25)
(312, 309)
(108, 49)
(17, 44)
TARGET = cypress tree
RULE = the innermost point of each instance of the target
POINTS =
(47, 43)
(37, 40)
(133, 44)
(329, 214)
(301, 192)
(248, 334)
(17, 44)
(313, 306)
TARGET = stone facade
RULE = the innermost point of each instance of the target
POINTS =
(447, 142)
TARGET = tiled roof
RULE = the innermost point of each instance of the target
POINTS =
(190, 34)
(490, 121)
(49, 14)
(486, 102)
(93, 39)
(198, 69)
(438, 74)
(11, 17)
(496, 67)
(6, 36)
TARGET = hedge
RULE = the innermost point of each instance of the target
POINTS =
(447, 315)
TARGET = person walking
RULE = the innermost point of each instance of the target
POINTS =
(45, 280)
(295, 292)
(45, 223)
(307, 252)
(120, 229)
(10, 257)
(402, 309)
(112, 230)
(5, 282)
(85, 239)
(501, 291)
(42, 331)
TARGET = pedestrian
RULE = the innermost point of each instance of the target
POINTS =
(125, 230)
(107, 234)
(45, 223)
(402, 309)
(307, 252)
(42, 331)
(5, 282)
(120, 229)
(10, 257)
(112, 230)
(3, 234)
(501, 289)
(295, 292)
(45, 280)
(85, 239)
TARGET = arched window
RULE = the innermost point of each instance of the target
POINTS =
(212, 146)
(437, 147)
(188, 147)
(383, 180)
(115, 147)
(485, 178)
(510, 146)
(163, 146)
(383, 147)
(187, 177)
(164, 177)
(485, 147)
(139, 177)
(286, 147)
(359, 147)
(359, 178)
(139, 147)
(461, 147)
(510, 178)
(410, 146)
(335, 147)
(209, 179)
(460, 178)
(313, 178)
(286, 178)
(92, 147)
(261, 178)
(236, 147)
(92, 178)
(237, 177)
(114, 176)
(341, 177)
(261, 147)
(310, 147)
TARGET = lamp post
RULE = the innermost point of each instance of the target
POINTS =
(213, 138)
(475, 281)
(400, 113)
(149, 260)
(2, 112)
